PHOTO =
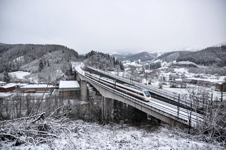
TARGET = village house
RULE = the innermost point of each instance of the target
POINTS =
(173, 76)
(178, 83)
(68, 89)
(220, 86)
(37, 88)
(164, 78)
(8, 87)
(202, 81)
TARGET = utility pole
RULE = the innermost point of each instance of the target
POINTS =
(178, 106)
(222, 92)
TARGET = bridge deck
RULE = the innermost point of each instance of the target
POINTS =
(171, 111)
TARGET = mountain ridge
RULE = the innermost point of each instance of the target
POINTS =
(207, 57)
(49, 61)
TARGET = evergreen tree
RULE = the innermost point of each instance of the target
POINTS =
(155, 65)
(121, 66)
(41, 65)
(6, 77)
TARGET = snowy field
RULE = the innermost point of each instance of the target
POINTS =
(19, 74)
(67, 134)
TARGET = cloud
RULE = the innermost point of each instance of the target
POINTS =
(156, 25)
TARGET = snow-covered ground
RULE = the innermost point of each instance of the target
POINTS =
(19, 74)
(78, 134)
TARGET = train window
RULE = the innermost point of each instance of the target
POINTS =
(147, 93)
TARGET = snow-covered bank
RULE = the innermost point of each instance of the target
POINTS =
(67, 134)
(19, 74)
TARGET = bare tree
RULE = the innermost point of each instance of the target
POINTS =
(213, 127)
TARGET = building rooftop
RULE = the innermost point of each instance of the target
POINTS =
(208, 80)
(37, 86)
(68, 84)
(9, 85)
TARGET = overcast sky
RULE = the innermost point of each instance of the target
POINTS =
(112, 25)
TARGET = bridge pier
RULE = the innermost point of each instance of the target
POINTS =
(83, 90)
(107, 112)
(77, 78)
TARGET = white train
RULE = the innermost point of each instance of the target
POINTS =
(125, 88)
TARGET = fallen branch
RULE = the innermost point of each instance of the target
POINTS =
(38, 133)
(22, 118)
(39, 118)
(54, 112)
(5, 134)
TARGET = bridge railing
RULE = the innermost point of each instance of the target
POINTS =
(183, 115)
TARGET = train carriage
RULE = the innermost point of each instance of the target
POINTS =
(126, 88)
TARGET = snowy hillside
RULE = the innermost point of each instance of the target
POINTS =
(67, 134)
(171, 56)
(143, 56)
(120, 52)
(19, 74)
(207, 57)
(14, 56)
(45, 62)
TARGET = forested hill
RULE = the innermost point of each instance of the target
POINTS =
(143, 56)
(51, 61)
(207, 57)
(172, 56)
(14, 56)
(102, 61)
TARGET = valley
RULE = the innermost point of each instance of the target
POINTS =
(168, 72)
(112, 75)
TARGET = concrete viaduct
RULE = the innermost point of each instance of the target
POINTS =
(167, 113)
